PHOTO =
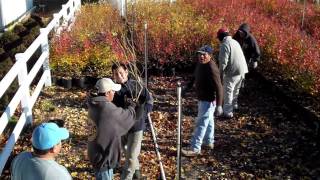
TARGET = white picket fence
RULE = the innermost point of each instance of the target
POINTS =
(61, 20)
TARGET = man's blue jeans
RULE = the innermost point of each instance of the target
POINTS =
(104, 175)
(204, 129)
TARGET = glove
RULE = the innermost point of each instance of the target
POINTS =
(254, 64)
(130, 102)
(148, 107)
(218, 111)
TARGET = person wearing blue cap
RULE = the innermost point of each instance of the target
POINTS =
(41, 164)
(210, 94)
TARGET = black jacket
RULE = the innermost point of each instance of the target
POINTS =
(248, 44)
(131, 89)
(207, 82)
(111, 123)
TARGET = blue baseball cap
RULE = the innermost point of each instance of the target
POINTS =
(205, 49)
(47, 135)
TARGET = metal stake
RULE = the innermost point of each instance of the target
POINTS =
(179, 132)
(163, 176)
(145, 55)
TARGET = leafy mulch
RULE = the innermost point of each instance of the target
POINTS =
(264, 139)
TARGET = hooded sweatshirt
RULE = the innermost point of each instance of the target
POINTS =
(248, 44)
(111, 122)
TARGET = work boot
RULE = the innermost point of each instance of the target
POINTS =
(138, 176)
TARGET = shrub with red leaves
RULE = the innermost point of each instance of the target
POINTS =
(295, 54)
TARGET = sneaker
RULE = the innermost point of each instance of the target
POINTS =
(208, 146)
(228, 116)
(189, 152)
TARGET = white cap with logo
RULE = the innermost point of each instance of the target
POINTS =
(106, 84)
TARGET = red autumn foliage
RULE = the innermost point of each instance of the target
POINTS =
(295, 54)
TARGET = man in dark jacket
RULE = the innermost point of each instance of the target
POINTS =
(111, 123)
(210, 95)
(248, 44)
(132, 89)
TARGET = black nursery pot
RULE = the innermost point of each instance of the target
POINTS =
(53, 80)
(67, 83)
(91, 81)
(3, 56)
(79, 82)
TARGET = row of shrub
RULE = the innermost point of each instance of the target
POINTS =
(96, 40)
(16, 40)
(286, 51)
(289, 13)
(19, 37)
(91, 46)
(174, 33)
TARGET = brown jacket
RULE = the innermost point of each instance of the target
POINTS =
(208, 83)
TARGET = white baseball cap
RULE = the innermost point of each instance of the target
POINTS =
(106, 84)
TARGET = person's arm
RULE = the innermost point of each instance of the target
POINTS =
(215, 73)
(149, 101)
(125, 118)
(224, 56)
(255, 50)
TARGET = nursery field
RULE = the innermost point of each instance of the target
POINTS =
(265, 139)
(273, 135)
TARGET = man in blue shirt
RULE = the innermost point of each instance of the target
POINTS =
(41, 164)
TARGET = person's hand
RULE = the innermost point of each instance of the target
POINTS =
(148, 107)
(254, 64)
(130, 102)
(218, 111)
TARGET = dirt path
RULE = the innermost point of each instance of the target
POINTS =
(264, 139)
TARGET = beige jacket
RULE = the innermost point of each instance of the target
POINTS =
(231, 58)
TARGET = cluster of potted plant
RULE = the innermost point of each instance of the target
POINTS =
(16, 40)
(174, 31)
(88, 50)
